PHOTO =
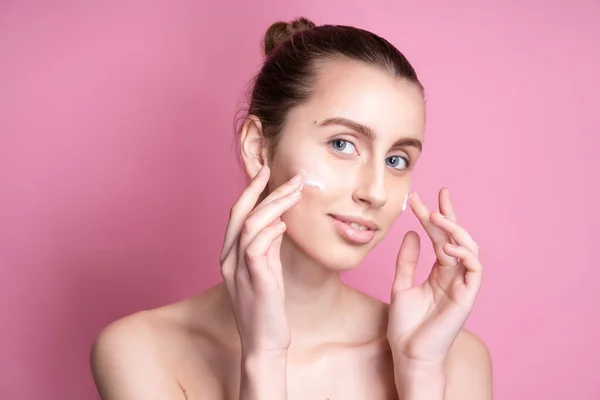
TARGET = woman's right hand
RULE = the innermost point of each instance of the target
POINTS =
(251, 264)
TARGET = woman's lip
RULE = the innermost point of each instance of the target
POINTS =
(357, 220)
(352, 235)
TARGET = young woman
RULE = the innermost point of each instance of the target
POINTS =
(333, 134)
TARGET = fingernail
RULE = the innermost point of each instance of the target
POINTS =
(415, 195)
(296, 179)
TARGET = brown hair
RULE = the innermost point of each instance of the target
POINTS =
(293, 51)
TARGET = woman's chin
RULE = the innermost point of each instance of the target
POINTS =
(343, 259)
(335, 257)
(328, 249)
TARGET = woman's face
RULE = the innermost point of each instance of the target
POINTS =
(360, 136)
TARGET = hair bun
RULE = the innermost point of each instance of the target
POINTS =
(281, 31)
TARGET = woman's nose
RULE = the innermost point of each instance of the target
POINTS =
(370, 187)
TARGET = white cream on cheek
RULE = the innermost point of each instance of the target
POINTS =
(311, 180)
(405, 201)
(323, 175)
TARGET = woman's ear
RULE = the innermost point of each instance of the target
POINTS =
(253, 146)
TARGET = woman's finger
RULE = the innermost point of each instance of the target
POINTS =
(473, 268)
(406, 262)
(459, 234)
(285, 189)
(242, 207)
(437, 235)
(446, 206)
(256, 253)
(265, 217)
(293, 184)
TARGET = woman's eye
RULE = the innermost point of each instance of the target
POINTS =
(397, 162)
(343, 146)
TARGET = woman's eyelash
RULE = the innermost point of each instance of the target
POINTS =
(332, 141)
(407, 160)
(340, 139)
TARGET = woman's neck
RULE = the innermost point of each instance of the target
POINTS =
(314, 297)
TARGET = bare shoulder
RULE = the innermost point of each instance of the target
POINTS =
(128, 360)
(469, 369)
(143, 355)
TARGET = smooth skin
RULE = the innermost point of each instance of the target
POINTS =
(282, 324)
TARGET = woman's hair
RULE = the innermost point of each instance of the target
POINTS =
(293, 52)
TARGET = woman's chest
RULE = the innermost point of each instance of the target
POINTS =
(329, 375)
(337, 380)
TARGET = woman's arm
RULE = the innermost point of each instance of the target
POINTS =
(419, 382)
(264, 377)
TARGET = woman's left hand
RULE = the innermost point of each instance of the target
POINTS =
(425, 320)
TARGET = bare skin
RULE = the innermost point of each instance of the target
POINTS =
(339, 338)
(193, 350)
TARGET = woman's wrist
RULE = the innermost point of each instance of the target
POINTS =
(264, 376)
(422, 381)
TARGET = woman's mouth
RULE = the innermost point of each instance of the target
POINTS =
(354, 230)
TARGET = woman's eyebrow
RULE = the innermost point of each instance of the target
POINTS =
(368, 132)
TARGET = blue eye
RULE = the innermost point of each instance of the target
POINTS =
(342, 146)
(397, 162)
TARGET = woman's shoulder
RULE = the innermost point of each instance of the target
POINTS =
(183, 317)
(153, 343)
(469, 367)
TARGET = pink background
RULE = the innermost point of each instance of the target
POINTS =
(117, 170)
